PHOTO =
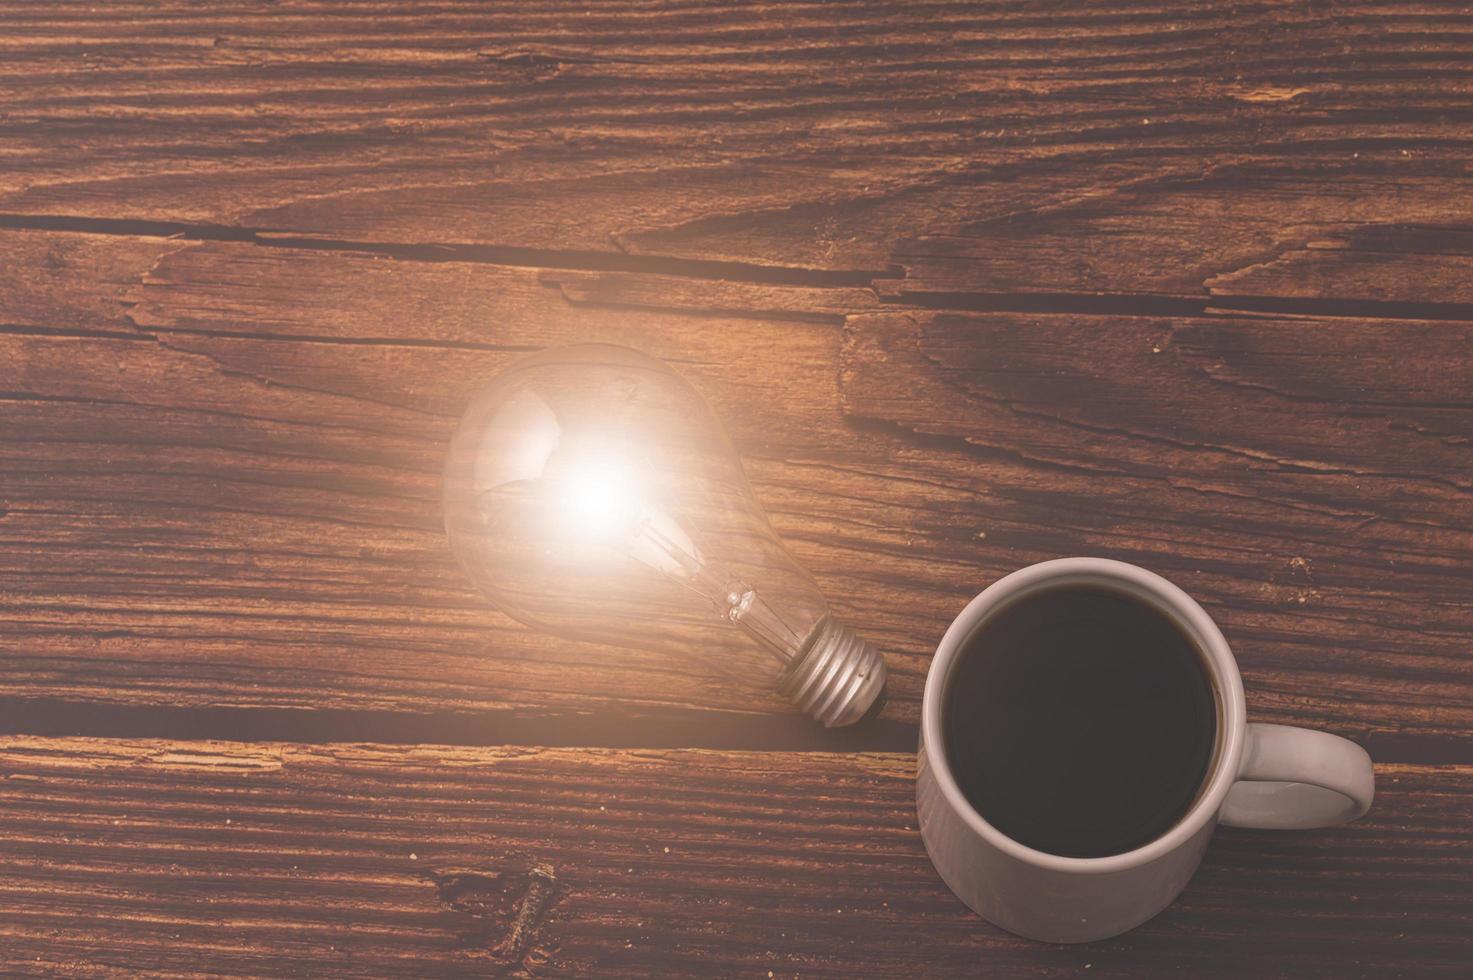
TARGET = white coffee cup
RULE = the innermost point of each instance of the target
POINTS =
(1265, 776)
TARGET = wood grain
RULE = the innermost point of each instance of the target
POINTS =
(274, 859)
(1137, 246)
(1421, 270)
(807, 135)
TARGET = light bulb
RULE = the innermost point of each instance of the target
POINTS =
(591, 493)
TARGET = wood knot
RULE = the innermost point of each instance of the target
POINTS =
(508, 909)
(529, 63)
(1296, 587)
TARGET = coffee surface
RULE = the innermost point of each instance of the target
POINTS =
(1080, 721)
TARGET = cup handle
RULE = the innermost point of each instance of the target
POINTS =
(1294, 778)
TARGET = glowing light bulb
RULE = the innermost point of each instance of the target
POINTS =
(599, 496)
(590, 492)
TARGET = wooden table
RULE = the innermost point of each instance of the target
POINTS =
(974, 285)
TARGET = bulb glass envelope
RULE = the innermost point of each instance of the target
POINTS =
(590, 492)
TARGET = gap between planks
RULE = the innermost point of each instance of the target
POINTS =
(674, 728)
(886, 283)
(508, 255)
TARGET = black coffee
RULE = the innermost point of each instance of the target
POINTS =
(1080, 721)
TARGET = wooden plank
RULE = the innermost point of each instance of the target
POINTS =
(232, 497)
(274, 859)
(1289, 473)
(806, 136)
(235, 506)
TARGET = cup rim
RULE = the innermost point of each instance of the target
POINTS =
(1165, 597)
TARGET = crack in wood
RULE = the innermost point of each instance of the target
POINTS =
(509, 255)
(554, 58)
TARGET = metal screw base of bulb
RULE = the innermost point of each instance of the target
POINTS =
(838, 678)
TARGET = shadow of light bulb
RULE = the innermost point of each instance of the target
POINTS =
(590, 492)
